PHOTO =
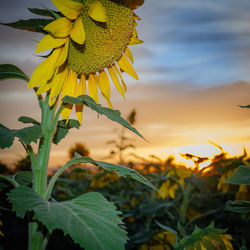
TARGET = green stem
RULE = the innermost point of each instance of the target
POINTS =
(40, 166)
(48, 128)
(35, 236)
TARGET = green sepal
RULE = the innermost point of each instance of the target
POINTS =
(240, 177)
(89, 219)
(34, 25)
(26, 135)
(44, 12)
(63, 128)
(113, 115)
(9, 71)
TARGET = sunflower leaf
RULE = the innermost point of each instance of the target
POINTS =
(35, 25)
(26, 135)
(197, 236)
(238, 206)
(119, 169)
(26, 119)
(63, 128)
(9, 71)
(240, 177)
(23, 178)
(113, 115)
(88, 219)
(247, 106)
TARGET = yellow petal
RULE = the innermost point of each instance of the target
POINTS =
(97, 12)
(56, 83)
(103, 84)
(134, 41)
(77, 33)
(93, 93)
(49, 42)
(40, 74)
(119, 74)
(81, 90)
(125, 65)
(61, 27)
(108, 102)
(45, 70)
(69, 88)
(44, 87)
(69, 8)
(63, 54)
(129, 55)
(115, 81)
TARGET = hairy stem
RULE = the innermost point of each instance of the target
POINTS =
(40, 167)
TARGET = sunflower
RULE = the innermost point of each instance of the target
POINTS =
(89, 42)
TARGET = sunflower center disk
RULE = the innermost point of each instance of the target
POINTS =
(104, 42)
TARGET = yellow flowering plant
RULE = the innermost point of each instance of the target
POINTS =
(88, 47)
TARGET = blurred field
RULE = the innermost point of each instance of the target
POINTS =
(187, 198)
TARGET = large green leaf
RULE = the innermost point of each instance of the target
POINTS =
(119, 169)
(63, 128)
(240, 177)
(9, 71)
(238, 206)
(90, 220)
(35, 25)
(113, 115)
(26, 135)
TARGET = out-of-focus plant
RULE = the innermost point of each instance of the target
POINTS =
(78, 148)
(123, 142)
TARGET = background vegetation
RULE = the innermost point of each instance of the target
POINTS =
(191, 210)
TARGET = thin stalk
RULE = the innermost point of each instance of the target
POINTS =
(45, 241)
(10, 180)
(54, 178)
(185, 202)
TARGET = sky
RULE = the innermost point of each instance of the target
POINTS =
(194, 71)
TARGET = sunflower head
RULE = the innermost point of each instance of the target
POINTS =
(89, 43)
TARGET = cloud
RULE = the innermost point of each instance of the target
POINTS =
(209, 39)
